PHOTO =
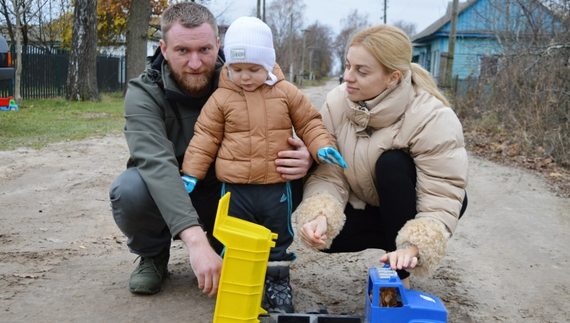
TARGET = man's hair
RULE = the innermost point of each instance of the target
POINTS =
(189, 15)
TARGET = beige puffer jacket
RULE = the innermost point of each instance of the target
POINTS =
(244, 131)
(406, 118)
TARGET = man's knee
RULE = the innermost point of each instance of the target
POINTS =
(129, 195)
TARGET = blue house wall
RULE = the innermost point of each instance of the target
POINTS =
(482, 28)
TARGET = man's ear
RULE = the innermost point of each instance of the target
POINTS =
(162, 45)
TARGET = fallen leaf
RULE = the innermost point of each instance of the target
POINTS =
(556, 175)
(26, 276)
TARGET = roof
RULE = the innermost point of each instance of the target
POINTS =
(438, 24)
(435, 30)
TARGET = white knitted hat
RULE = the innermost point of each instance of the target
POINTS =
(249, 40)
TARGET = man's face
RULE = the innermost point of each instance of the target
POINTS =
(191, 54)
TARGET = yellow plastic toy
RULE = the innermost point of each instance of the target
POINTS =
(243, 270)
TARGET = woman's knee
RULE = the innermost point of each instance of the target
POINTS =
(464, 206)
(393, 165)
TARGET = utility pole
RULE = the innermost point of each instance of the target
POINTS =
(385, 10)
(311, 65)
(261, 10)
(258, 9)
(303, 54)
(451, 48)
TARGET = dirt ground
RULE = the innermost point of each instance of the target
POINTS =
(64, 260)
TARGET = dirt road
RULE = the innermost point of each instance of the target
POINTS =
(62, 258)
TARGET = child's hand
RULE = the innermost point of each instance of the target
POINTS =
(330, 155)
(189, 183)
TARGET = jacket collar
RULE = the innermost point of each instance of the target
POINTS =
(384, 109)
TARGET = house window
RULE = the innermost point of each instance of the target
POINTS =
(435, 64)
(488, 66)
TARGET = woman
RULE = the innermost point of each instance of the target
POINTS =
(404, 188)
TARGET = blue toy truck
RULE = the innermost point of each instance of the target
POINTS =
(387, 301)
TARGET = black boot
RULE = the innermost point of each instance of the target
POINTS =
(278, 294)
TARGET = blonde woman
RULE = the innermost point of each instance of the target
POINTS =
(403, 190)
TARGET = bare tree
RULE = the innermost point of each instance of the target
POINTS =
(37, 18)
(82, 74)
(352, 23)
(52, 24)
(137, 36)
(8, 15)
(286, 21)
(19, 7)
(319, 56)
(408, 27)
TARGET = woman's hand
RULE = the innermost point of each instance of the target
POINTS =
(402, 258)
(314, 233)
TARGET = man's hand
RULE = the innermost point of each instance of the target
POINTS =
(403, 258)
(294, 164)
(314, 233)
(205, 262)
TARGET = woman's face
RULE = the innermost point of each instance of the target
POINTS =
(365, 78)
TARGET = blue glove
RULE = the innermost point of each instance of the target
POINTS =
(189, 182)
(330, 155)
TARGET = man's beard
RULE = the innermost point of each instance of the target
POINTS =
(191, 85)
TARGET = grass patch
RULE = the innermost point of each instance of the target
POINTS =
(45, 121)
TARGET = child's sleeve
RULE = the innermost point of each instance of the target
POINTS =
(208, 134)
(308, 123)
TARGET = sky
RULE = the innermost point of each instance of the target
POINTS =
(329, 12)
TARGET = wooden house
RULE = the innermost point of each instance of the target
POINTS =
(486, 30)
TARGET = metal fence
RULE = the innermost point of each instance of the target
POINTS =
(44, 74)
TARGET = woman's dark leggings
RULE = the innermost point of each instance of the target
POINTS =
(377, 227)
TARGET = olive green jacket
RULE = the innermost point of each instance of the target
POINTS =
(159, 125)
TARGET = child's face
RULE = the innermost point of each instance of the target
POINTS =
(248, 76)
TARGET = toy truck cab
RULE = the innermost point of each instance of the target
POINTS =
(388, 301)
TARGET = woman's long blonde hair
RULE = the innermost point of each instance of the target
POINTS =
(392, 48)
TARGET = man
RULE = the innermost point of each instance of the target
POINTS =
(149, 201)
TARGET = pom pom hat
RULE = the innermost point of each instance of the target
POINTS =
(249, 40)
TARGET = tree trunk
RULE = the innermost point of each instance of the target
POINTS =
(18, 76)
(82, 73)
(137, 37)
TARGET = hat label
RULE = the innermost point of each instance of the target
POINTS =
(237, 54)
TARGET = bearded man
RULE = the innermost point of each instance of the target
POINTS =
(149, 200)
